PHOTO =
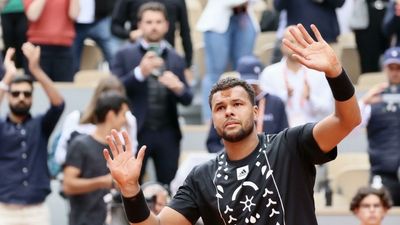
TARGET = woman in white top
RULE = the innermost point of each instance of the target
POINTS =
(229, 33)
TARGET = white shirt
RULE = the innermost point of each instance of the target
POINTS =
(299, 110)
(86, 11)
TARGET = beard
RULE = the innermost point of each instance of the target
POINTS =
(20, 109)
(239, 135)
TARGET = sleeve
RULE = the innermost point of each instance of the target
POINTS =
(365, 113)
(118, 19)
(185, 33)
(321, 101)
(75, 155)
(51, 118)
(132, 130)
(307, 147)
(71, 121)
(184, 201)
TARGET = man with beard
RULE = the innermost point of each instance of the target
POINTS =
(25, 179)
(258, 179)
(153, 75)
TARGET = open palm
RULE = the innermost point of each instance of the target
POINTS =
(124, 166)
(317, 54)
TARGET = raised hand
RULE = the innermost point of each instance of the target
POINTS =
(317, 54)
(32, 53)
(9, 65)
(124, 166)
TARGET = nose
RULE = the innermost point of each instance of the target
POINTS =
(229, 111)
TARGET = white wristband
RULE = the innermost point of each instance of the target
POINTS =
(3, 86)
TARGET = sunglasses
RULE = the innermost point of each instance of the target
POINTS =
(15, 94)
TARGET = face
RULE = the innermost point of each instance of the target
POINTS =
(20, 98)
(393, 72)
(120, 118)
(233, 114)
(153, 25)
(371, 210)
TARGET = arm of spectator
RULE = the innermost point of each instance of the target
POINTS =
(32, 53)
(185, 33)
(318, 55)
(74, 185)
(74, 9)
(178, 85)
(118, 19)
(33, 9)
(10, 72)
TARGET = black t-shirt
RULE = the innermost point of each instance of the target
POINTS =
(272, 184)
(86, 154)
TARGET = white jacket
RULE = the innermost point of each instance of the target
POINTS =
(217, 13)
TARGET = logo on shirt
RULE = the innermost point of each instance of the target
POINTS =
(241, 172)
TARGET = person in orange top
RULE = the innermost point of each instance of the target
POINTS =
(51, 26)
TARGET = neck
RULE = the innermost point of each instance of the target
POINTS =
(16, 119)
(101, 132)
(292, 64)
(239, 150)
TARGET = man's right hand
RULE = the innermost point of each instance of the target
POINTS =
(150, 62)
(124, 166)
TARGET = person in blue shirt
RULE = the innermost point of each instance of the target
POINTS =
(25, 178)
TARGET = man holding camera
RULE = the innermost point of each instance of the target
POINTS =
(380, 109)
(153, 75)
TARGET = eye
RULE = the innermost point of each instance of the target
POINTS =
(219, 108)
(237, 104)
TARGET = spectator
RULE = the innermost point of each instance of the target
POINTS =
(226, 39)
(153, 75)
(84, 122)
(86, 177)
(304, 91)
(51, 27)
(370, 205)
(371, 41)
(127, 11)
(271, 107)
(322, 13)
(94, 21)
(266, 179)
(380, 110)
(14, 26)
(25, 179)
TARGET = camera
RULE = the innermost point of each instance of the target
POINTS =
(157, 49)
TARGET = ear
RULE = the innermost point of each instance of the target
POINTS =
(255, 112)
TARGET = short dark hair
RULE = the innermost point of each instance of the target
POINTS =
(107, 101)
(230, 82)
(22, 79)
(152, 6)
(363, 192)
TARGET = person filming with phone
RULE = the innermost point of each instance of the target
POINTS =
(153, 75)
(380, 110)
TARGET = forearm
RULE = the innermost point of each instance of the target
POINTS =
(35, 9)
(73, 10)
(76, 185)
(51, 91)
(330, 131)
